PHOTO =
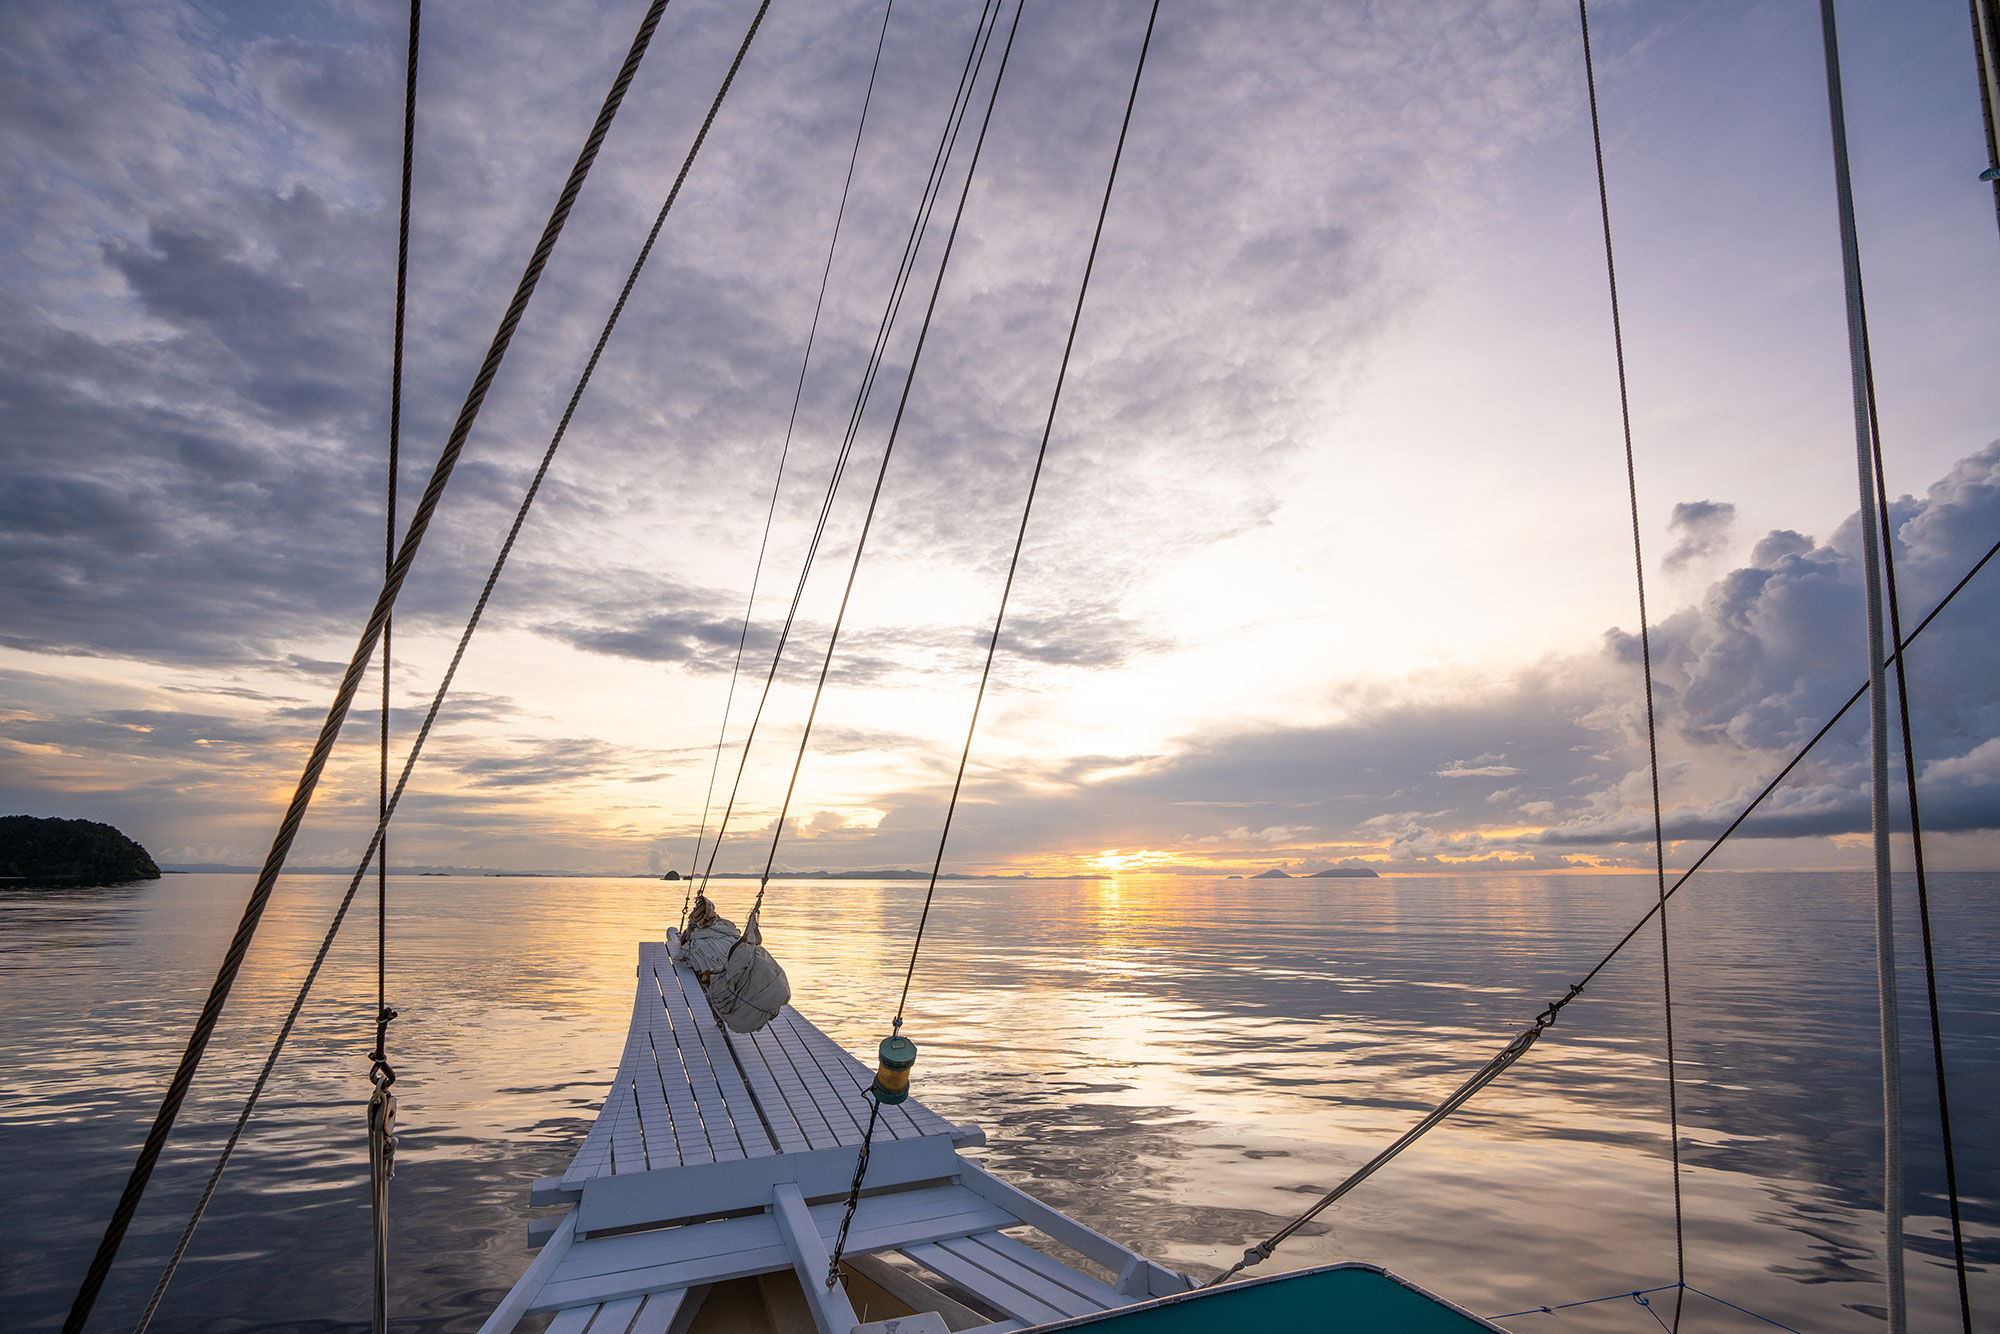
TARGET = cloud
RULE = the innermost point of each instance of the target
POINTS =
(1700, 527)
(194, 372)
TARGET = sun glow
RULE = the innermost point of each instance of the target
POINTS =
(1111, 861)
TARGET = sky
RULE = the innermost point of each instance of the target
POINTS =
(1330, 563)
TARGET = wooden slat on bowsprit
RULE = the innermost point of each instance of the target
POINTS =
(723, 1156)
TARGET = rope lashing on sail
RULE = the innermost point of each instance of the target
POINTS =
(364, 651)
(1645, 658)
(975, 57)
(382, 1103)
(1878, 706)
(444, 685)
(1027, 508)
(784, 454)
(1515, 1049)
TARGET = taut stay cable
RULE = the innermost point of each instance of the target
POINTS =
(784, 454)
(1645, 662)
(274, 862)
(444, 685)
(1027, 508)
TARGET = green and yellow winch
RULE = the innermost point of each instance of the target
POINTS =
(892, 1069)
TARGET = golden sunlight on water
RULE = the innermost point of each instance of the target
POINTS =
(1181, 1063)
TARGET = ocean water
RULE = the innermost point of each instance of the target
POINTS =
(1181, 1063)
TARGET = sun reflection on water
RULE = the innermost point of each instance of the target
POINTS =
(1179, 1062)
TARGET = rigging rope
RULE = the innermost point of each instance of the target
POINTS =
(1645, 659)
(444, 685)
(1916, 830)
(364, 651)
(791, 423)
(1027, 508)
(382, 1102)
(1639, 1297)
(975, 58)
(1878, 711)
(888, 451)
(1041, 456)
(1519, 1045)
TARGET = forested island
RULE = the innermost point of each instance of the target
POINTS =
(46, 851)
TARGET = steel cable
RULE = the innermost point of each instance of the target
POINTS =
(975, 57)
(1645, 661)
(1027, 508)
(1515, 1048)
(382, 1103)
(444, 685)
(784, 454)
(1916, 829)
(1888, 1003)
(274, 862)
(888, 451)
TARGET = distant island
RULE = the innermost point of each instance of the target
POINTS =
(1344, 873)
(1273, 874)
(47, 851)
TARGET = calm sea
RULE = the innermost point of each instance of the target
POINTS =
(1181, 1063)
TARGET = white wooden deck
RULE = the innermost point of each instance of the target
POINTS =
(719, 1156)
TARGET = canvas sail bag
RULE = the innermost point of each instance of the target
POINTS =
(751, 988)
(745, 986)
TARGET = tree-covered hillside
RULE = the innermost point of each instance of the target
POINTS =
(32, 848)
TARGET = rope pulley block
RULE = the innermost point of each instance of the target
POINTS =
(893, 1060)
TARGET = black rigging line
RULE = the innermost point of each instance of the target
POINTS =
(1520, 1044)
(1027, 508)
(381, 1104)
(889, 449)
(1916, 825)
(975, 58)
(458, 656)
(274, 863)
(1645, 660)
(791, 423)
(1782, 774)
(389, 527)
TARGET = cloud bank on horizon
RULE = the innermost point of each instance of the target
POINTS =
(1334, 520)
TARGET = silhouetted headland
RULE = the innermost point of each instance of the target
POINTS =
(69, 852)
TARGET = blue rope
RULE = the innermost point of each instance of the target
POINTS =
(1640, 1297)
(1734, 1307)
(1551, 1310)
